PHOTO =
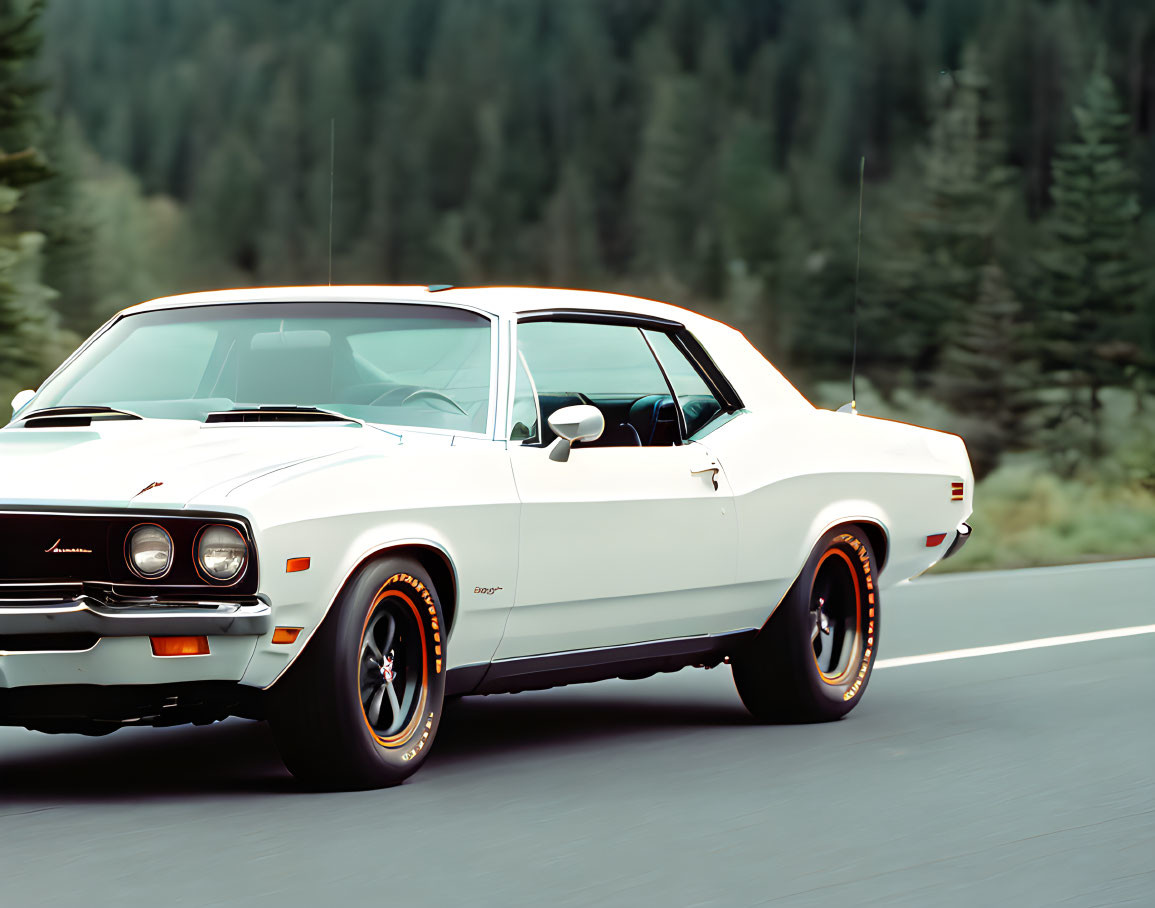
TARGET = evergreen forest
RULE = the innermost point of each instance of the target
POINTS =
(704, 152)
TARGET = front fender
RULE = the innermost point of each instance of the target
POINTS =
(304, 598)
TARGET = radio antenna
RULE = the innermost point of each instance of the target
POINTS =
(332, 160)
(854, 303)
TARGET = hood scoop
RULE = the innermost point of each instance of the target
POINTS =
(57, 417)
(279, 414)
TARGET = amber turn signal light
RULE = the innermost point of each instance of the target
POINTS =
(296, 564)
(286, 634)
(180, 646)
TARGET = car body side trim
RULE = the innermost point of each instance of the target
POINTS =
(598, 317)
(630, 660)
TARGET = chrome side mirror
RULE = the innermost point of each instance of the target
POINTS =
(580, 423)
(21, 398)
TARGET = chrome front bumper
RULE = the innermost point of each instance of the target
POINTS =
(88, 615)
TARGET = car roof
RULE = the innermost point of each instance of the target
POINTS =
(500, 301)
(756, 380)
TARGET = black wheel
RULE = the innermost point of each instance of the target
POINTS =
(812, 660)
(360, 707)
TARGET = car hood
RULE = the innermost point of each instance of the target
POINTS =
(159, 462)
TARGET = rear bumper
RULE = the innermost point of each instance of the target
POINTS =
(961, 535)
(86, 615)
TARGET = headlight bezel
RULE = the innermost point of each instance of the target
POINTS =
(130, 560)
(202, 569)
(184, 577)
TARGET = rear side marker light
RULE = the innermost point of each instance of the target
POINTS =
(286, 634)
(936, 539)
(180, 646)
(956, 491)
(296, 564)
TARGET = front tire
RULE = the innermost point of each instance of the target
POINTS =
(812, 660)
(360, 707)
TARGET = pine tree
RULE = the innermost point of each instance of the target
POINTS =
(985, 375)
(572, 254)
(28, 324)
(936, 260)
(1093, 280)
(669, 180)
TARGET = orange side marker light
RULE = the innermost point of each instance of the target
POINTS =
(296, 564)
(286, 634)
(936, 539)
(180, 646)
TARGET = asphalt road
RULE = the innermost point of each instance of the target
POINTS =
(1020, 778)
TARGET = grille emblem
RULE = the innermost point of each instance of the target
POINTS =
(55, 549)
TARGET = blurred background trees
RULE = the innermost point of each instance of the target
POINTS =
(701, 151)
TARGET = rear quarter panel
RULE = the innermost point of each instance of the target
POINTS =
(799, 472)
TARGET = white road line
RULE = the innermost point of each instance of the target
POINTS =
(1041, 643)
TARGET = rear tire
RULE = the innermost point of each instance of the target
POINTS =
(812, 660)
(360, 707)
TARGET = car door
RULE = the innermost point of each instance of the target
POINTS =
(634, 537)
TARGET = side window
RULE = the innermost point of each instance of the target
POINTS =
(698, 403)
(608, 366)
(523, 420)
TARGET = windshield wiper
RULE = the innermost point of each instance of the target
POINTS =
(280, 414)
(73, 415)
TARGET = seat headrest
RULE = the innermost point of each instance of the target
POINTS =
(287, 367)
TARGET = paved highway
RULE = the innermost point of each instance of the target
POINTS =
(1024, 777)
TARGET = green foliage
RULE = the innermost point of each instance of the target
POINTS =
(1094, 282)
(29, 326)
(985, 376)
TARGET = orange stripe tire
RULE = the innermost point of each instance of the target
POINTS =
(360, 708)
(812, 660)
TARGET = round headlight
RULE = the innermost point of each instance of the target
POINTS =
(149, 551)
(222, 552)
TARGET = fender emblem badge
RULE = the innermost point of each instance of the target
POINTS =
(55, 549)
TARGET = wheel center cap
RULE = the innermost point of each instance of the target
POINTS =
(387, 673)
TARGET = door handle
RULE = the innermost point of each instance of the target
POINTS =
(712, 468)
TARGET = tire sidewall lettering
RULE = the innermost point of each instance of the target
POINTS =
(426, 611)
(860, 555)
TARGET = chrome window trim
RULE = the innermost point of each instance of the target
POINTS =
(495, 365)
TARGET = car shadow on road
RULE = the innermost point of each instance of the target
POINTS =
(234, 757)
(477, 728)
(239, 757)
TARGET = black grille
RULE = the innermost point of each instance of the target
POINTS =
(39, 547)
(33, 593)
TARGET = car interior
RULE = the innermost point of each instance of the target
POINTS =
(647, 421)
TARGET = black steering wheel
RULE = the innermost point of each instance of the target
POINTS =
(419, 395)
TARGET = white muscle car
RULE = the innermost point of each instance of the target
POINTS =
(334, 507)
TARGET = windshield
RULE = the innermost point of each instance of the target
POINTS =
(392, 363)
